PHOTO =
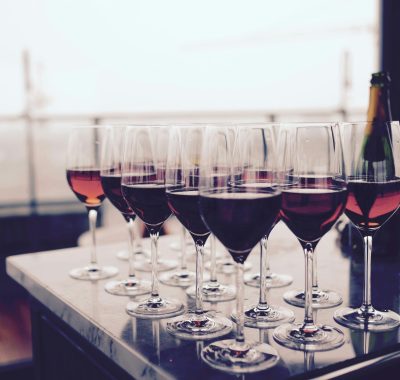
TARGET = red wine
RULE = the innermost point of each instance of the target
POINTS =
(240, 219)
(149, 202)
(370, 204)
(86, 184)
(112, 188)
(184, 203)
(311, 212)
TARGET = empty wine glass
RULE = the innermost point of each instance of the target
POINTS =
(182, 189)
(111, 175)
(373, 173)
(313, 198)
(257, 146)
(143, 187)
(83, 176)
(239, 216)
(272, 279)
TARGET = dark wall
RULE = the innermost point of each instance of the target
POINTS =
(390, 49)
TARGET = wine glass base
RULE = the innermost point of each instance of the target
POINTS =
(224, 356)
(321, 299)
(214, 292)
(274, 280)
(139, 254)
(155, 308)
(128, 287)
(182, 279)
(228, 266)
(93, 272)
(373, 321)
(191, 326)
(292, 336)
(260, 318)
(162, 265)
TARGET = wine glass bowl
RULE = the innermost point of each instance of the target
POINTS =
(182, 191)
(239, 216)
(257, 143)
(143, 187)
(83, 176)
(111, 176)
(372, 155)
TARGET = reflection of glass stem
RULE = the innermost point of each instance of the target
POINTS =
(156, 338)
(199, 348)
(264, 336)
(309, 362)
(134, 330)
(366, 336)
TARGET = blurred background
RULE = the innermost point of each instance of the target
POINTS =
(69, 62)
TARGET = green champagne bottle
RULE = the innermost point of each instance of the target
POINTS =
(376, 162)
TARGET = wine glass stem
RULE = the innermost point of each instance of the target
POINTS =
(213, 267)
(131, 233)
(92, 226)
(268, 273)
(138, 236)
(154, 261)
(315, 274)
(183, 249)
(239, 304)
(367, 305)
(199, 277)
(308, 311)
(263, 273)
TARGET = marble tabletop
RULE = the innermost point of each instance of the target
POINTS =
(145, 349)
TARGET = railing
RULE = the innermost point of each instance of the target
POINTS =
(46, 165)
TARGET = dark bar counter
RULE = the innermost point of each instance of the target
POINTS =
(82, 332)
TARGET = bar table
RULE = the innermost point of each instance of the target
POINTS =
(81, 332)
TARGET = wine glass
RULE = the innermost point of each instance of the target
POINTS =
(257, 145)
(373, 168)
(143, 187)
(272, 279)
(238, 216)
(83, 176)
(321, 298)
(182, 189)
(182, 277)
(111, 176)
(313, 198)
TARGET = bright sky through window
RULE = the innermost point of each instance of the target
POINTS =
(177, 55)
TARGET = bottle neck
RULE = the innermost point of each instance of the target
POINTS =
(379, 104)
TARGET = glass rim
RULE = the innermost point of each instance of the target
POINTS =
(310, 124)
(353, 123)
